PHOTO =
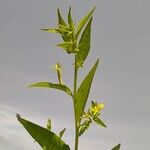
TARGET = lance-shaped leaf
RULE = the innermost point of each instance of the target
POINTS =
(52, 30)
(61, 22)
(62, 132)
(67, 46)
(117, 147)
(84, 44)
(82, 93)
(84, 126)
(60, 19)
(83, 22)
(99, 121)
(52, 85)
(70, 20)
(46, 139)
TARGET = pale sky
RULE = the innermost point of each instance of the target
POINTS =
(120, 38)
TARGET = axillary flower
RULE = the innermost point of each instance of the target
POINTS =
(94, 111)
(96, 108)
(91, 115)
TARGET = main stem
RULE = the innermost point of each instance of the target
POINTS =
(75, 89)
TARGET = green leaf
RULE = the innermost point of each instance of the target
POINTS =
(52, 30)
(61, 22)
(67, 46)
(52, 85)
(84, 44)
(58, 31)
(117, 147)
(70, 21)
(46, 139)
(48, 125)
(60, 19)
(62, 132)
(83, 22)
(84, 127)
(82, 93)
(99, 121)
(64, 31)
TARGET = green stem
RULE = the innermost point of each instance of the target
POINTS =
(75, 89)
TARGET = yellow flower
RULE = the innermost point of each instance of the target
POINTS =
(100, 106)
(95, 109)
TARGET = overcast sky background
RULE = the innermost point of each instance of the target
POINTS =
(120, 38)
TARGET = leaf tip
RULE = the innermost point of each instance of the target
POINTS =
(94, 8)
(42, 29)
(29, 86)
(117, 147)
(18, 116)
(58, 11)
(70, 8)
(97, 62)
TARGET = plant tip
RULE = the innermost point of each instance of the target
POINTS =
(18, 116)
